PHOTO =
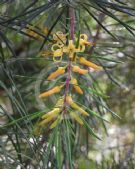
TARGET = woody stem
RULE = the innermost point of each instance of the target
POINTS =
(72, 25)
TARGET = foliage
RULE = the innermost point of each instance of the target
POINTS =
(29, 67)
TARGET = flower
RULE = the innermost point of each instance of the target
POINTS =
(57, 52)
(85, 62)
(49, 116)
(55, 123)
(59, 48)
(54, 90)
(76, 87)
(59, 71)
(76, 117)
(77, 69)
(76, 107)
(53, 115)
(84, 40)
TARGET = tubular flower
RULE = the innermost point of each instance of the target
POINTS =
(47, 120)
(76, 87)
(49, 116)
(77, 69)
(53, 115)
(76, 117)
(55, 111)
(85, 62)
(84, 40)
(59, 71)
(55, 123)
(76, 107)
(50, 92)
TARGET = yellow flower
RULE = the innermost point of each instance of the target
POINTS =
(47, 120)
(85, 62)
(55, 123)
(75, 106)
(83, 112)
(76, 87)
(77, 69)
(57, 52)
(71, 50)
(51, 113)
(76, 117)
(59, 48)
(54, 90)
(84, 40)
(49, 116)
(59, 71)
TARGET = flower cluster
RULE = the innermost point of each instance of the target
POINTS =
(56, 114)
(67, 50)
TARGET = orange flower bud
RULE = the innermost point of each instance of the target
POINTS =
(59, 71)
(77, 69)
(83, 61)
(54, 90)
(76, 87)
(69, 100)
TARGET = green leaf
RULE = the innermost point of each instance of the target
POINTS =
(67, 140)
(90, 130)
(58, 149)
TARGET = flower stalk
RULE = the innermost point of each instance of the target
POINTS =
(72, 26)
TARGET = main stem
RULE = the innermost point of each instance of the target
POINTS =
(72, 27)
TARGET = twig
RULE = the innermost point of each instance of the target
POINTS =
(72, 25)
